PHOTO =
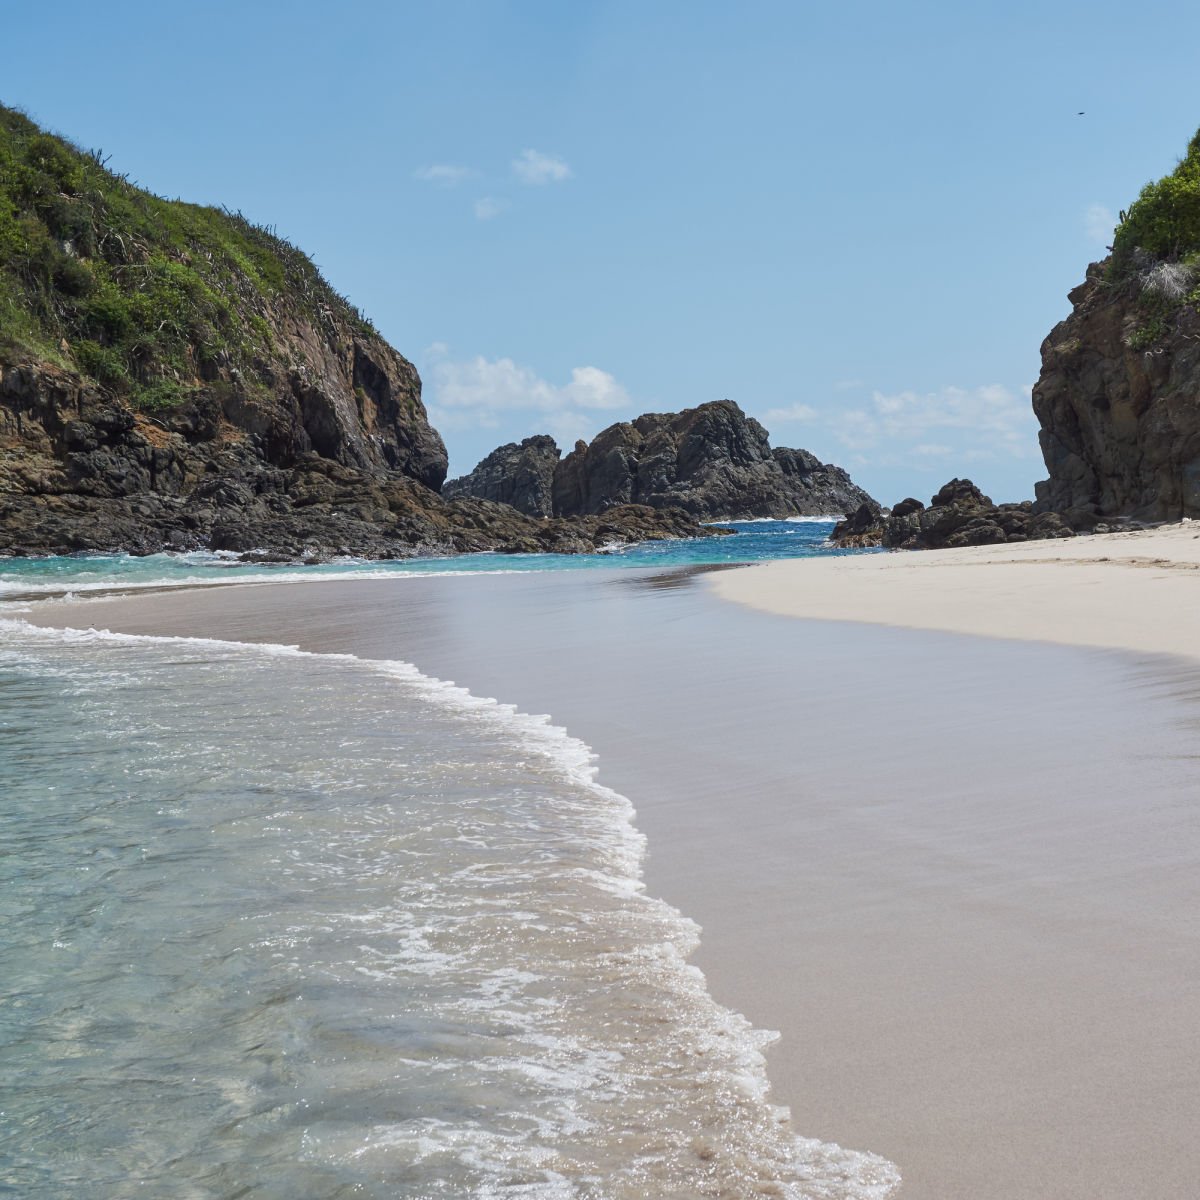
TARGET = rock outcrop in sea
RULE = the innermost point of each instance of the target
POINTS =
(174, 377)
(712, 461)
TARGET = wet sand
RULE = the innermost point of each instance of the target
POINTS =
(958, 874)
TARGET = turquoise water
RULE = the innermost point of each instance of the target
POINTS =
(755, 541)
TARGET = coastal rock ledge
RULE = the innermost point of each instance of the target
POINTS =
(712, 461)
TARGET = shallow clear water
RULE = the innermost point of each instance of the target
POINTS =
(755, 541)
(285, 925)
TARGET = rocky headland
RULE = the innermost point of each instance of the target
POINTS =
(712, 461)
(1118, 398)
(174, 377)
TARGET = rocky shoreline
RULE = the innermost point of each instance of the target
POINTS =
(174, 377)
(81, 471)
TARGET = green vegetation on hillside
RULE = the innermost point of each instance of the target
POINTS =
(146, 296)
(1157, 246)
(1165, 219)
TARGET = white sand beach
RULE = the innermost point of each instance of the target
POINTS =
(1129, 591)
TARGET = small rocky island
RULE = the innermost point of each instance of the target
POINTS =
(712, 461)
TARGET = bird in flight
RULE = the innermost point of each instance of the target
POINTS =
(1080, 114)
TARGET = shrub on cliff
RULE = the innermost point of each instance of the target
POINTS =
(147, 297)
(1164, 220)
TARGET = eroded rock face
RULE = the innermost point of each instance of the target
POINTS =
(1118, 400)
(230, 471)
(713, 461)
(520, 474)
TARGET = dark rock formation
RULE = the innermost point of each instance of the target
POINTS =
(959, 515)
(712, 461)
(521, 475)
(861, 528)
(79, 471)
(1119, 394)
(1119, 403)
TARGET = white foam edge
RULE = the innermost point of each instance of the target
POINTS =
(858, 1175)
(807, 520)
(73, 590)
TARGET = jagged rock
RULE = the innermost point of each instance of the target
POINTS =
(906, 507)
(712, 461)
(863, 527)
(518, 474)
(223, 494)
(962, 492)
(958, 515)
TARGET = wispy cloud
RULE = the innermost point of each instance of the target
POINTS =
(444, 174)
(478, 393)
(981, 423)
(1099, 223)
(487, 207)
(535, 168)
(794, 412)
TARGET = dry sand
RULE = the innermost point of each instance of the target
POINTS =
(961, 875)
(1130, 591)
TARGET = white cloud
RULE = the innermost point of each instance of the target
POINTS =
(973, 423)
(1099, 223)
(443, 174)
(534, 168)
(487, 207)
(794, 412)
(477, 392)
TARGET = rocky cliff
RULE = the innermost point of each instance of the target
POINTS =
(1118, 398)
(175, 377)
(712, 461)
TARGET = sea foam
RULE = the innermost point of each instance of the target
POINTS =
(326, 922)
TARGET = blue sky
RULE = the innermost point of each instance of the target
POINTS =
(857, 220)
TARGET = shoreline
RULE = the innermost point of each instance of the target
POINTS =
(948, 959)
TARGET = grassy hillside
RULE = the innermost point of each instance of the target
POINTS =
(148, 297)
